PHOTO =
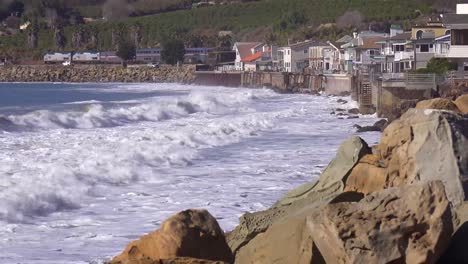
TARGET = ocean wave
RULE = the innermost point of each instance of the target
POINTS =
(57, 170)
(98, 115)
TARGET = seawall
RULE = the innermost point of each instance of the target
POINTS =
(96, 73)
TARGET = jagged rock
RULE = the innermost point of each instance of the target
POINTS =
(457, 251)
(378, 126)
(462, 103)
(352, 117)
(353, 111)
(437, 103)
(311, 195)
(341, 101)
(191, 233)
(427, 145)
(411, 224)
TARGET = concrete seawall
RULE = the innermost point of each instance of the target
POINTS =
(96, 73)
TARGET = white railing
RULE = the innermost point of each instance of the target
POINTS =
(394, 76)
(458, 51)
(403, 55)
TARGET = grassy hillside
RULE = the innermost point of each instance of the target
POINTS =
(275, 20)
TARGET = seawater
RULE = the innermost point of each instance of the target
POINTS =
(86, 168)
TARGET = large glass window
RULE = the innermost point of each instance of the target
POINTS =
(399, 47)
(424, 48)
(460, 37)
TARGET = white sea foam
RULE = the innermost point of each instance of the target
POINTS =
(78, 185)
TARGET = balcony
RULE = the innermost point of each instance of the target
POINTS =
(458, 51)
(404, 55)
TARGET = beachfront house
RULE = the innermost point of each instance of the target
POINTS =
(397, 53)
(457, 24)
(363, 51)
(244, 50)
(261, 60)
(295, 57)
(317, 55)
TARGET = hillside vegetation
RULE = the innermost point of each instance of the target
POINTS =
(269, 20)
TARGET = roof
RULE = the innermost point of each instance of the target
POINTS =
(423, 40)
(306, 44)
(253, 57)
(397, 38)
(371, 42)
(344, 39)
(455, 21)
(244, 48)
(443, 38)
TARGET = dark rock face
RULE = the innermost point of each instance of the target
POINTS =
(378, 126)
(353, 111)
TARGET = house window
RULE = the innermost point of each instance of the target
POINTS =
(431, 46)
(305, 51)
(424, 48)
(419, 34)
(399, 47)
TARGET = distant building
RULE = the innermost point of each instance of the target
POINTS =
(397, 53)
(457, 24)
(295, 57)
(244, 50)
(363, 51)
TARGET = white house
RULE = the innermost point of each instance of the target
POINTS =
(295, 57)
(397, 53)
(244, 50)
(316, 56)
(458, 26)
(363, 50)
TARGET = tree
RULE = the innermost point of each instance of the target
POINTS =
(126, 51)
(115, 9)
(16, 8)
(173, 51)
(350, 19)
(33, 31)
(438, 66)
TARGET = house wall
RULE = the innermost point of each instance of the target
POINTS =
(250, 66)
(438, 31)
(297, 56)
(336, 84)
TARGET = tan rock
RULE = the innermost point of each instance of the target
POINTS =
(438, 103)
(191, 233)
(369, 175)
(462, 103)
(172, 261)
(411, 224)
(428, 145)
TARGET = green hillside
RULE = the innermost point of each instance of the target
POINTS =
(273, 20)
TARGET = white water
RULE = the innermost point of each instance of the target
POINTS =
(78, 183)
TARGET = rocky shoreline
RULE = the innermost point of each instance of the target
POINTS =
(404, 200)
(96, 73)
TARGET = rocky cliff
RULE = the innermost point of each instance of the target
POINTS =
(96, 73)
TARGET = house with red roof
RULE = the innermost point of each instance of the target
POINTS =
(253, 56)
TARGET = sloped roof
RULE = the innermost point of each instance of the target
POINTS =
(253, 57)
(306, 44)
(244, 48)
(371, 42)
(345, 39)
(455, 21)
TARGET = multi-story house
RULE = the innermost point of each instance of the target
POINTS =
(397, 53)
(363, 51)
(261, 60)
(295, 57)
(424, 40)
(458, 25)
(244, 50)
(316, 56)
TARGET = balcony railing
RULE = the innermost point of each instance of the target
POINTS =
(403, 55)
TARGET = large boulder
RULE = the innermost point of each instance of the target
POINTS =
(191, 233)
(427, 145)
(462, 103)
(289, 240)
(311, 196)
(411, 224)
(437, 103)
